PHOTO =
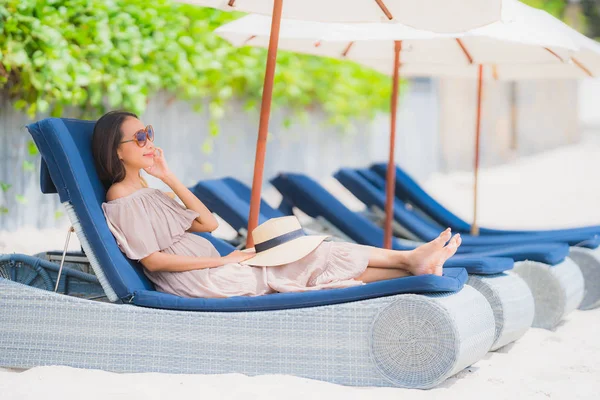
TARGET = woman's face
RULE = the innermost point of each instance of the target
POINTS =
(134, 156)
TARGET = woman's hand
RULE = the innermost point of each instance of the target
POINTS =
(237, 257)
(160, 169)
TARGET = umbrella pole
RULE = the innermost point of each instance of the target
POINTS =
(391, 170)
(474, 226)
(263, 127)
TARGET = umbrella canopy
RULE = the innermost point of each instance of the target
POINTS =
(449, 15)
(528, 43)
(530, 36)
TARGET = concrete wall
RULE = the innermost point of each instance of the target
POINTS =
(313, 148)
(516, 119)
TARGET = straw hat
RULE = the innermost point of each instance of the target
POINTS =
(281, 241)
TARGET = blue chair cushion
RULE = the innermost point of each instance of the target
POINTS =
(221, 199)
(244, 193)
(452, 281)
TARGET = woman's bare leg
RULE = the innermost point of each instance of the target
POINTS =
(428, 258)
(373, 274)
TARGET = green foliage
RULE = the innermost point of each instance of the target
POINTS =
(553, 7)
(591, 11)
(90, 54)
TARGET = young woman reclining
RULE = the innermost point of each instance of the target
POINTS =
(152, 227)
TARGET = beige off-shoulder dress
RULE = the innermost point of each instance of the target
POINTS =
(148, 220)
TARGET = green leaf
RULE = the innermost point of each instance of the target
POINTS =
(213, 128)
(5, 186)
(207, 168)
(42, 105)
(32, 149)
(28, 166)
(21, 199)
(58, 214)
(207, 146)
(3, 210)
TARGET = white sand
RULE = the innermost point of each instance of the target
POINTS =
(556, 189)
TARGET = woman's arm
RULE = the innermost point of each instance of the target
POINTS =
(206, 222)
(159, 261)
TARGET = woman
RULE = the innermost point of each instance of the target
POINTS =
(152, 227)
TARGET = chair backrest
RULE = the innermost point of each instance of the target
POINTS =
(244, 192)
(408, 190)
(309, 196)
(68, 169)
(372, 196)
(222, 199)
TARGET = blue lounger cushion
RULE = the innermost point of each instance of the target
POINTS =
(222, 200)
(309, 196)
(244, 193)
(452, 281)
(227, 198)
(68, 169)
(372, 196)
(409, 191)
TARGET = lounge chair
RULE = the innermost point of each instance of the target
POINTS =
(409, 191)
(538, 261)
(343, 336)
(551, 305)
(508, 295)
(584, 242)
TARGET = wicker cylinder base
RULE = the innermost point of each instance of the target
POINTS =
(419, 341)
(557, 290)
(588, 261)
(512, 304)
(404, 340)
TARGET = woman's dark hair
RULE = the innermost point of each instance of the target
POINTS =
(105, 141)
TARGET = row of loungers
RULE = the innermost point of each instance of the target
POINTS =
(554, 279)
(410, 332)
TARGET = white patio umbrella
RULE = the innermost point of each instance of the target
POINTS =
(432, 15)
(584, 62)
(451, 15)
(531, 39)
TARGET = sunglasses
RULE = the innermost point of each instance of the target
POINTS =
(142, 136)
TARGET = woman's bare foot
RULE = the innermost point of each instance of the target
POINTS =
(430, 257)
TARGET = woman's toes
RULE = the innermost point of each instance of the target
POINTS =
(444, 236)
(453, 245)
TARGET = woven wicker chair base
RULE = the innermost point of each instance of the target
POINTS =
(589, 262)
(557, 290)
(410, 341)
(512, 304)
